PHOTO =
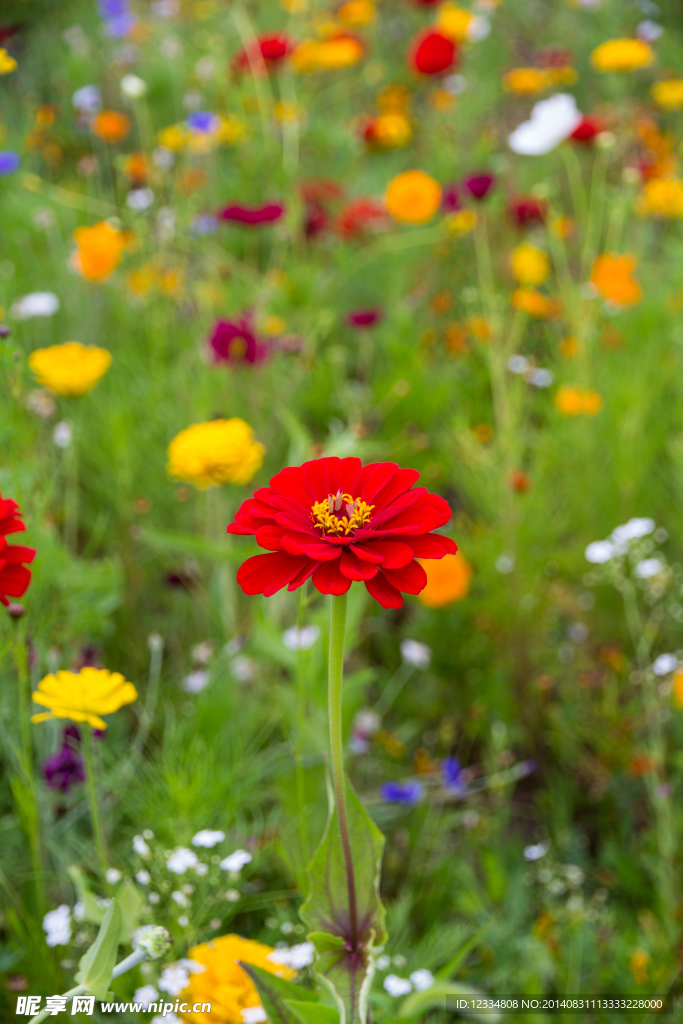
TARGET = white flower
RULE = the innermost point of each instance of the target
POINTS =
(196, 681)
(600, 551)
(143, 877)
(87, 99)
(132, 87)
(632, 530)
(478, 28)
(57, 925)
(63, 434)
(232, 895)
(208, 838)
(253, 1014)
(139, 199)
(35, 304)
(163, 158)
(551, 122)
(201, 869)
(181, 859)
(296, 957)
(518, 364)
(416, 654)
(113, 876)
(455, 84)
(140, 846)
(664, 664)
(300, 639)
(236, 861)
(648, 31)
(79, 910)
(539, 377)
(422, 979)
(536, 852)
(193, 966)
(146, 995)
(181, 899)
(166, 1018)
(242, 668)
(174, 979)
(382, 962)
(396, 986)
(647, 568)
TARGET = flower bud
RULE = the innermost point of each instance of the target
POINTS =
(154, 940)
(15, 610)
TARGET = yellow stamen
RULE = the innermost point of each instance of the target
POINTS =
(325, 514)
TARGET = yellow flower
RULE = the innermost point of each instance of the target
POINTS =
(448, 580)
(173, 138)
(99, 250)
(7, 63)
(327, 54)
(392, 129)
(622, 55)
(454, 22)
(461, 222)
(71, 369)
(394, 97)
(577, 402)
(669, 93)
(661, 197)
(215, 453)
(83, 696)
(356, 12)
(530, 265)
(223, 983)
(678, 688)
(413, 197)
(526, 81)
(637, 965)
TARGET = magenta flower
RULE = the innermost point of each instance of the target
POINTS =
(450, 198)
(479, 185)
(364, 317)
(234, 341)
(252, 216)
(65, 768)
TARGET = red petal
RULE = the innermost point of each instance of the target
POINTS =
(411, 578)
(292, 520)
(398, 485)
(355, 568)
(318, 477)
(414, 520)
(328, 579)
(11, 526)
(18, 553)
(266, 574)
(14, 579)
(291, 483)
(302, 576)
(394, 552)
(323, 552)
(373, 478)
(296, 543)
(432, 545)
(367, 553)
(269, 537)
(382, 591)
(346, 477)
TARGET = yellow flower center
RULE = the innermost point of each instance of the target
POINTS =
(340, 514)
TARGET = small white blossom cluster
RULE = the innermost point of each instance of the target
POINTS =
(57, 926)
(176, 977)
(419, 980)
(620, 542)
(295, 957)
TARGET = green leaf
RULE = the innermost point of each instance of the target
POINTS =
(347, 971)
(188, 544)
(314, 1013)
(131, 902)
(441, 994)
(92, 912)
(98, 962)
(276, 993)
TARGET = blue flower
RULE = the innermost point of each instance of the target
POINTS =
(407, 793)
(9, 161)
(202, 121)
(121, 26)
(452, 773)
(204, 224)
(113, 8)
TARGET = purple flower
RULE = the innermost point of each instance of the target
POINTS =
(450, 200)
(65, 768)
(452, 773)
(204, 224)
(407, 793)
(9, 161)
(119, 28)
(479, 185)
(252, 216)
(234, 341)
(112, 8)
(202, 121)
(364, 317)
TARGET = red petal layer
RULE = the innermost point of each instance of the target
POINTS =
(411, 578)
(266, 574)
(14, 580)
(328, 579)
(433, 545)
(381, 589)
(354, 568)
(395, 553)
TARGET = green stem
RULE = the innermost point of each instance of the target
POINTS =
(71, 494)
(336, 678)
(80, 990)
(95, 818)
(30, 814)
(301, 716)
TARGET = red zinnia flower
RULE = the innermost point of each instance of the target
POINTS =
(587, 129)
(14, 576)
(432, 53)
(337, 521)
(275, 47)
(252, 216)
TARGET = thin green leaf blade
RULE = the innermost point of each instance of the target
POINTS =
(276, 993)
(98, 962)
(313, 1013)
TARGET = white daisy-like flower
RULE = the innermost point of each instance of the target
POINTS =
(236, 861)
(181, 859)
(551, 122)
(600, 551)
(208, 838)
(416, 654)
(396, 986)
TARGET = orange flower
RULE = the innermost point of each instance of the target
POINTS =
(530, 301)
(637, 965)
(448, 580)
(136, 168)
(519, 481)
(612, 275)
(413, 197)
(99, 250)
(577, 402)
(678, 688)
(110, 125)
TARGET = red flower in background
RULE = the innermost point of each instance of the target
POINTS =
(361, 318)
(269, 50)
(586, 130)
(526, 210)
(433, 53)
(361, 216)
(235, 341)
(252, 216)
(14, 576)
(275, 47)
(479, 185)
(337, 521)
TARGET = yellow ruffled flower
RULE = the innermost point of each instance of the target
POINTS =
(622, 55)
(327, 55)
(413, 197)
(7, 63)
(392, 129)
(83, 696)
(223, 983)
(71, 369)
(661, 197)
(215, 453)
(668, 93)
(530, 266)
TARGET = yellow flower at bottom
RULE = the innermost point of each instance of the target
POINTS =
(71, 369)
(448, 580)
(413, 197)
(530, 266)
(622, 55)
(83, 696)
(223, 983)
(215, 453)
(7, 63)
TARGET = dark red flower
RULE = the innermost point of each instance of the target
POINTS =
(316, 220)
(275, 47)
(450, 198)
(364, 317)
(360, 216)
(252, 216)
(337, 521)
(479, 185)
(320, 190)
(586, 130)
(14, 576)
(234, 341)
(433, 53)
(268, 51)
(554, 57)
(526, 210)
